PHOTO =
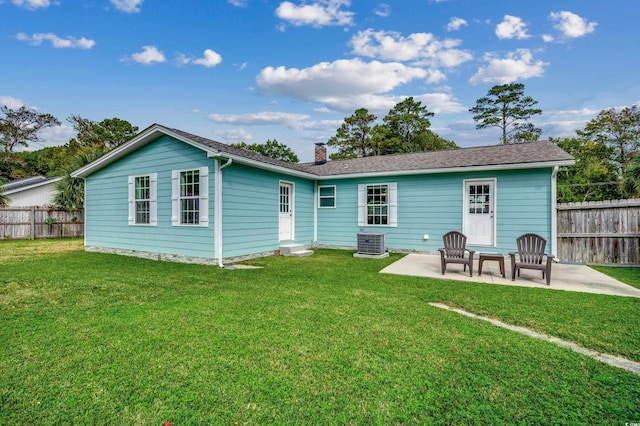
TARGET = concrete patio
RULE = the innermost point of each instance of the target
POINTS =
(564, 276)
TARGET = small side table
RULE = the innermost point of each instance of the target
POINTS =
(491, 256)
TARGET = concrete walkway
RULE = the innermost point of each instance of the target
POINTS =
(571, 277)
(632, 366)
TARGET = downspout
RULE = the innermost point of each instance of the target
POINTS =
(554, 213)
(315, 212)
(217, 221)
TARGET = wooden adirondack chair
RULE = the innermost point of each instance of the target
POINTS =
(531, 255)
(454, 251)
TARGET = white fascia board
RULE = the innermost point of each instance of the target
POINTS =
(142, 139)
(35, 185)
(517, 166)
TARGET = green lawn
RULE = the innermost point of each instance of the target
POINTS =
(90, 338)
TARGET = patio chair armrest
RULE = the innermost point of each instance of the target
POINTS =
(512, 256)
(550, 257)
(471, 252)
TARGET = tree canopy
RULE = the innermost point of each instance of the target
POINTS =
(110, 132)
(271, 148)
(21, 126)
(354, 137)
(618, 129)
(506, 107)
(607, 154)
(404, 129)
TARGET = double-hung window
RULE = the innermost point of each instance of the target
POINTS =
(378, 204)
(190, 197)
(327, 196)
(143, 206)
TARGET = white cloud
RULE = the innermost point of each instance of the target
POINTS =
(210, 59)
(259, 118)
(383, 10)
(273, 118)
(518, 65)
(56, 135)
(336, 80)
(441, 103)
(238, 3)
(512, 27)
(233, 135)
(547, 38)
(422, 47)
(435, 76)
(148, 56)
(571, 25)
(318, 14)
(11, 103)
(456, 23)
(128, 6)
(57, 42)
(31, 4)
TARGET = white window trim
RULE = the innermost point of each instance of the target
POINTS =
(392, 203)
(153, 199)
(204, 197)
(335, 197)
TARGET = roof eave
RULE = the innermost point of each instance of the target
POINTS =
(264, 166)
(33, 186)
(490, 167)
(143, 138)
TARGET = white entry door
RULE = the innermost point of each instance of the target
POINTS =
(286, 211)
(479, 217)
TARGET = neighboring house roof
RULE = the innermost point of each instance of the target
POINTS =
(524, 155)
(28, 183)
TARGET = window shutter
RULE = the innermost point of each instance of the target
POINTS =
(362, 205)
(132, 201)
(153, 199)
(175, 197)
(204, 196)
(393, 204)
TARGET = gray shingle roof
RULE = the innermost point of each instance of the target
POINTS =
(21, 183)
(495, 155)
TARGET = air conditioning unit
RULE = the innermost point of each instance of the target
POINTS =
(371, 244)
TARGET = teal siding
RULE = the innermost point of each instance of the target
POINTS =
(432, 204)
(427, 204)
(250, 210)
(107, 203)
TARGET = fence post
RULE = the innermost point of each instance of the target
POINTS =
(33, 222)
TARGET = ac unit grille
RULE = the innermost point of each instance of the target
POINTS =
(371, 243)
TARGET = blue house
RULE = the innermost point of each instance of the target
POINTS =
(170, 195)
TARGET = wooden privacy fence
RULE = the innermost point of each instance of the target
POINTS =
(606, 232)
(35, 222)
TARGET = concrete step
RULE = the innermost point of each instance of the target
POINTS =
(295, 250)
(300, 253)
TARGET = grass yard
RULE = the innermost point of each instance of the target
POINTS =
(91, 338)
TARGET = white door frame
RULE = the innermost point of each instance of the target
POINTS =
(492, 210)
(289, 216)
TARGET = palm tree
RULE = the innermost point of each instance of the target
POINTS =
(70, 190)
(631, 178)
(4, 200)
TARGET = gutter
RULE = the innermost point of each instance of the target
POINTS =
(217, 210)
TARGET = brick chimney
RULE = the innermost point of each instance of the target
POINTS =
(321, 153)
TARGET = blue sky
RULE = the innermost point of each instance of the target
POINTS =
(252, 70)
